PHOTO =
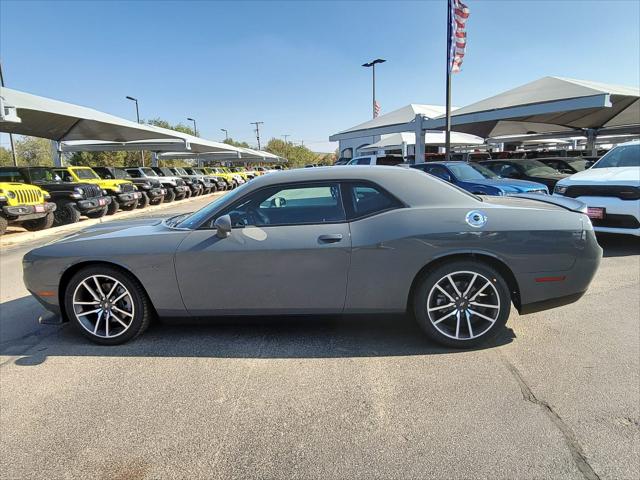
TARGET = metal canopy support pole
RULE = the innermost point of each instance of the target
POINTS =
(56, 153)
(154, 159)
(592, 133)
(419, 149)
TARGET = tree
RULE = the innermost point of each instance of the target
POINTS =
(33, 151)
(298, 155)
(6, 159)
(232, 142)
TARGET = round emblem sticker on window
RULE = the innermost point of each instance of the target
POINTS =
(476, 218)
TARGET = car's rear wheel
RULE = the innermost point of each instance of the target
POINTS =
(40, 223)
(170, 196)
(107, 305)
(462, 304)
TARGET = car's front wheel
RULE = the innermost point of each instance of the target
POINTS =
(462, 304)
(107, 305)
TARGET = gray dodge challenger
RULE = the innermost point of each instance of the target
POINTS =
(325, 241)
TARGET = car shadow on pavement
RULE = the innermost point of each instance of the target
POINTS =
(263, 337)
(619, 245)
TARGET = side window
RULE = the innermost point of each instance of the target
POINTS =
(366, 199)
(65, 175)
(289, 205)
(364, 161)
(438, 171)
(134, 173)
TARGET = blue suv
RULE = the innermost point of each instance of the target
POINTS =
(478, 179)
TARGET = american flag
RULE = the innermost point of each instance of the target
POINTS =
(458, 40)
(376, 109)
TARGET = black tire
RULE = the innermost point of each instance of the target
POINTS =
(113, 207)
(142, 308)
(189, 193)
(449, 331)
(98, 213)
(158, 200)
(3, 225)
(39, 223)
(130, 207)
(144, 201)
(66, 213)
(170, 196)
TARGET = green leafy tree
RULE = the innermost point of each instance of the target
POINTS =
(232, 142)
(33, 151)
(298, 155)
(6, 159)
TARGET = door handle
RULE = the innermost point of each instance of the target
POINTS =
(330, 238)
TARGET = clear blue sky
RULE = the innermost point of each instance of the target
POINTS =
(296, 65)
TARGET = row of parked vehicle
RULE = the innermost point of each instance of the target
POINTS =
(609, 186)
(41, 197)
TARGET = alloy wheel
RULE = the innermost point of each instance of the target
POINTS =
(103, 306)
(463, 305)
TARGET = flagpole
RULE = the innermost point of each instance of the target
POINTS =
(374, 91)
(447, 140)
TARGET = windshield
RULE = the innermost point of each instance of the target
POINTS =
(85, 173)
(578, 165)
(466, 172)
(119, 173)
(621, 156)
(42, 175)
(196, 218)
(11, 176)
(180, 171)
(149, 172)
(190, 171)
(534, 167)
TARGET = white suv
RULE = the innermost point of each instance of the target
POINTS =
(611, 190)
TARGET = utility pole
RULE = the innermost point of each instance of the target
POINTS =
(138, 119)
(286, 145)
(257, 124)
(13, 147)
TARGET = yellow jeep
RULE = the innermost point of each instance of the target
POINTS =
(25, 205)
(227, 176)
(124, 194)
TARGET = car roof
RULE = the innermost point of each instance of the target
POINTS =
(413, 187)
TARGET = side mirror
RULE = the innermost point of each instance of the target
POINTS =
(223, 226)
(278, 202)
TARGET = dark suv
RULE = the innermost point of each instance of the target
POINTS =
(72, 199)
(151, 188)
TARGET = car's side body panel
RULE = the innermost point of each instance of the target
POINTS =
(286, 269)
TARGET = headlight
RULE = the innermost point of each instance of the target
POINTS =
(560, 189)
(116, 189)
(10, 194)
(47, 196)
(104, 192)
(146, 186)
(79, 190)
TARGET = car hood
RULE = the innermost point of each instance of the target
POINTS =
(508, 185)
(122, 228)
(617, 175)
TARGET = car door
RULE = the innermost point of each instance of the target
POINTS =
(288, 252)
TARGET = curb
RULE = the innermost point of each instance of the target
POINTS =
(17, 238)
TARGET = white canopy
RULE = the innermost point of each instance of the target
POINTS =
(396, 140)
(55, 120)
(395, 121)
(549, 104)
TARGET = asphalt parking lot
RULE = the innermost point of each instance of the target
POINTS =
(369, 397)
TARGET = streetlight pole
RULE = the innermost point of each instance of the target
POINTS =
(372, 64)
(195, 128)
(286, 145)
(13, 147)
(138, 119)
(226, 133)
(257, 124)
